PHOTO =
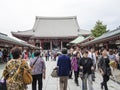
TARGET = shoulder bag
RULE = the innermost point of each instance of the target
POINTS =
(27, 76)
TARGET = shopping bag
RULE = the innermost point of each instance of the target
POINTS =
(54, 73)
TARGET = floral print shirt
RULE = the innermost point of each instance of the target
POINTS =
(13, 74)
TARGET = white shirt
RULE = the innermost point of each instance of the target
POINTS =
(92, 56)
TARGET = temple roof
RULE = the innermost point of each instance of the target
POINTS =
(84, 32)
(52, 27)
(7, 39)
(10, 41)
(77, 40)
(105, 36)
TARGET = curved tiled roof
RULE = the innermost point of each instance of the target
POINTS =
(52, 27)
(84, 32)
(5, 38)
(106, 35)
(77, 40)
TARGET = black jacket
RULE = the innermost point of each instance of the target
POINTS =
(104, 64)
(87, 64)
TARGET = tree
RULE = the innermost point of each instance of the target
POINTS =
(99, 29)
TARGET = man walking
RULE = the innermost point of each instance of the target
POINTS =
(64, 67)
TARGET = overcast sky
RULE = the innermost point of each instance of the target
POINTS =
(20, 14)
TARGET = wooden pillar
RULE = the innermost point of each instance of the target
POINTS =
(107, 45)
(51, 45)
(33, 42)
(40, 44)
(61, 45)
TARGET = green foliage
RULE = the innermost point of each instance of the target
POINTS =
(99, 29)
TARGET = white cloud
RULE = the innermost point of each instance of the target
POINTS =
(20, 14)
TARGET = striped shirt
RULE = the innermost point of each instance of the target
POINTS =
(38, 67)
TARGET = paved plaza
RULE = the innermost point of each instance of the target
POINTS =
(53, 83)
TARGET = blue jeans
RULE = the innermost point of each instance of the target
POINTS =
(84, 82)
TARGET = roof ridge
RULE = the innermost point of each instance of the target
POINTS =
(114, 30)
(3, 34)
(64, 17)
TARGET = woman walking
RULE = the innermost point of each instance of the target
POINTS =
(75, 66)
(104, 68)
(38, 70)
(13, 73)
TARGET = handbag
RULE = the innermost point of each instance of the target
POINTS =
(54, 73)
(3, 84)
(27, 76)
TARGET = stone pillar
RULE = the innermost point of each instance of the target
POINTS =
(51, 45)
(61, 45)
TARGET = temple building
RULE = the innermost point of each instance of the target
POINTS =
(51, 32)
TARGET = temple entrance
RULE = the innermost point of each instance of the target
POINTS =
(65, 44)
(56, 45)
(37, 44)
(46, 46)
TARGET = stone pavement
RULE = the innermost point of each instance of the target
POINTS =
(53, 83)
(116, 74)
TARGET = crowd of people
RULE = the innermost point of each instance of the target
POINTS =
(4, 55)
(82, 62)
(17, 67)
